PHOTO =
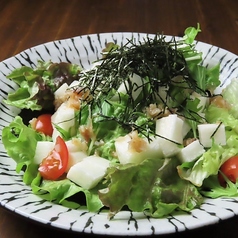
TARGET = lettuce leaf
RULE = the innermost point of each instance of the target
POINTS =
(209, 163)
(191, 55)
(37, 86)
(62, 191)
(20, 143)
(215, 114)
(230, 95)
(152, 186)
(190, 34)
(207, 78)
(211, 188)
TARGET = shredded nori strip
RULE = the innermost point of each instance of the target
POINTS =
(155, 59)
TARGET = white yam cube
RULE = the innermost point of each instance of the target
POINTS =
(89, 172)
(74, 158)
(170, 134)
(64, 117)
(170, 127)
(185, 129)
(209, 132)
(77, 152)
(136, 82)
(43, 148)
(133, 149)
(154, 149)
(75, 83)
(125, 154)
(61, 91)
(76, 144)
(168, 148)
(191, 152)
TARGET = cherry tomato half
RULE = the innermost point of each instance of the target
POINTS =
(44, 125)
(230, 170)
(55, 164)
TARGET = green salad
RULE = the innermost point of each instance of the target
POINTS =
(142, 130)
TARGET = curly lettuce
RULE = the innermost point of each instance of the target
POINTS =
(230, 95)
(20, 143)
(151, 187)
(37, 86)
(209, 163)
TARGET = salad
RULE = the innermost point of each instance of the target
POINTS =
(141, 130)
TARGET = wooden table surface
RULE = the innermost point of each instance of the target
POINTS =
(26, 23)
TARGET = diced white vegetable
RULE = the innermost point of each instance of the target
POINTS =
(76, 144)
(168, 148)
(163, 93)
(136, 81)
(43, 148)
(125, 154)
(207, 132)
(77, 152)
(133, 149)
(191, 152)
(74, 158)
(64, 117)
(186, 128)
(74, 83)
(170, 127)
(170, 130)
(89, 171)
(61, 90)
(154, 149)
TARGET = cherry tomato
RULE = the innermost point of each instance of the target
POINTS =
(230, 170)
(44, 125)
(54, 165)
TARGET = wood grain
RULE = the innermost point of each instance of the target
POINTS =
(26, 23)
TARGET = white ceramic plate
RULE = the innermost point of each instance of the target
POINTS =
(17, 197)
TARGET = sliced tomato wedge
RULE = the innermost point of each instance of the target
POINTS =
(44, 125)
(55, 164)
(230, 170)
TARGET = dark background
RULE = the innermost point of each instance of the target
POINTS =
(27, 23)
